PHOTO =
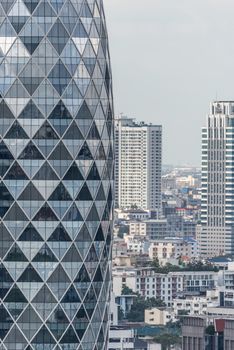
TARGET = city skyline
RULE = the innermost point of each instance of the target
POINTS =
(192, 63)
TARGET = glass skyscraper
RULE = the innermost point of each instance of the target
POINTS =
(56, 175)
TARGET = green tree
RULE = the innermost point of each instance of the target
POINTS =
(137, 312)
(127, 291)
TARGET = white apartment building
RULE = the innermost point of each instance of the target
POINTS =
(172, 248)
(138, 150)
(166, 287)
(216, 233)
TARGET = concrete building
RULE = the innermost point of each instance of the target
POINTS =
(209, 333)
(158, 316)
(152, 228)
(166, 287)
(172, 248)
(138, 164)
(216, 233)
(122, 338)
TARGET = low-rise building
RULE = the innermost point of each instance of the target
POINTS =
(158, 316)
(172, 248)
(166, 287)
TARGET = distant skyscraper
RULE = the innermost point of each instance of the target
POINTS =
(138, 150)
(56, 175)
(216, 232)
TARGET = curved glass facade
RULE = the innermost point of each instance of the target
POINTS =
(56, 175)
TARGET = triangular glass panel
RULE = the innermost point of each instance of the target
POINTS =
(73, 214)
(69, 337)
(46, 132)
(84, 112)
(45, 255)
(73, 173)
(79, 31)
(60, 152)
(44, 337)
(30, 275)
(94, 174)
(31, 152)
(15, 296)
(101, 195)
(72, 255)
(84, 194)
(46, 173)
(16, 132)
(15, 337)
(60, 194)
(15, 212)
(73, 133)
(83, 235)
(44, 296)
(4, 152)
(6, 117)
(93, 214)
(99, 236)
(82, 276)
(31, 194)
(31, 4)
(93, 133)
(17, 21)
(31, 112)
(71, 296)
(30, 234)
(45, 214)
(59, 235)
(85, 153)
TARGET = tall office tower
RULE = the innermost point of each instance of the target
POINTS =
(138, 150)
(216, 232)
(56, 175)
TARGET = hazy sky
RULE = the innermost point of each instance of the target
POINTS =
(170, 58)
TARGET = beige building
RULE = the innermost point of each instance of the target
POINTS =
(158, 316)
(172, 248)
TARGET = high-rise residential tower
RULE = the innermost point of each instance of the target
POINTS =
(56, 175)
(138, 150)
(216, 232)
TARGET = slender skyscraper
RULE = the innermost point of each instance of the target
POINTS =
(138, 170)
(216, 232)
(56, 175)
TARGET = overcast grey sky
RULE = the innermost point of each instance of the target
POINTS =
(170, 58)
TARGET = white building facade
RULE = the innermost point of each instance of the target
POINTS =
(138, 150)
(216, 234)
